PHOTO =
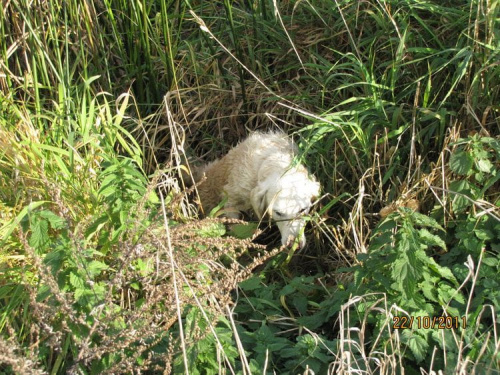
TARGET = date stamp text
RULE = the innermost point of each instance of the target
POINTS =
(428, 322)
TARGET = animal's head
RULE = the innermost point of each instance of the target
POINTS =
(286, 198)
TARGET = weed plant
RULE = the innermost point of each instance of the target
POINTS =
(106, 266)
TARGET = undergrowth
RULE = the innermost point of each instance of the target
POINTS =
(106, 266)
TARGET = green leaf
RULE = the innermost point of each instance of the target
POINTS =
(431, 239)
(153, 198)
(444, 272)
(55, 258)
(243, 231)
(96, 226)
(461, 162)
(108, 185)
(315, 321)
(39, 233)
(429, 291)
(250, 284)
(212, 230)
(80, 294)
(300, 303)
(402, 274)
(95, 267)
(446, 293)
(417, 344)
(55, 221)
(43, 293)
(463, 190)
(492, 262)
(76, 281)
(484, 165)
(424, 220)
(288, 289)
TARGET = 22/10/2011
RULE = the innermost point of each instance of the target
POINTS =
(427, 322)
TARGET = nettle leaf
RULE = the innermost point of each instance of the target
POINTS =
(300, 303)
(444, 272)
(382, 279)
(96, 226)
(288, 289)
(250, 284)
(359, 274)
(485, 234)
(484, 165)
(431, 239)
(407, 269)
(463, 189)
(304, 284)
(76, 281)
(55, 221)
(55, 258)
(80, 294)
(461, 162)
(381, 240)
(446, 293)
(492, 262)
(243, 231)
(429, 291)
(267, 340)
(460, 271)
(108, 185)
(417, 344)
(43, 293)
(212, 230)
(290, 352)
(424, 220)
(39, 233)
(402, 273)
(315, 321)
(95, 268)
(99, 291)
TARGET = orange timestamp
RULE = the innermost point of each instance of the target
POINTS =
(427, 322)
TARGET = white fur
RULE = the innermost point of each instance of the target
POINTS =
(259, 175)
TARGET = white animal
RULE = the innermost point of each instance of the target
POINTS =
(259, 174)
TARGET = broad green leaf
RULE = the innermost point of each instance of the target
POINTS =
(212, 230)
(431, 239)
(55, 258)
(446, 293)
(288, 289)
(39, 233)
(429, 291)
(243, 231)
(43, 293)
(461, 162)
(484, 165)
(55, 221)
(463, 190)
(417, 344)
(444, 272)
(300, 303)
(490, 261)
(95, 267)
(424, 220)
(250, 284)
(76, 281)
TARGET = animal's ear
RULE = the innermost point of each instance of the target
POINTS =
(259, 200)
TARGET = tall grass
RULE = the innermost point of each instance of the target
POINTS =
(107, 269)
